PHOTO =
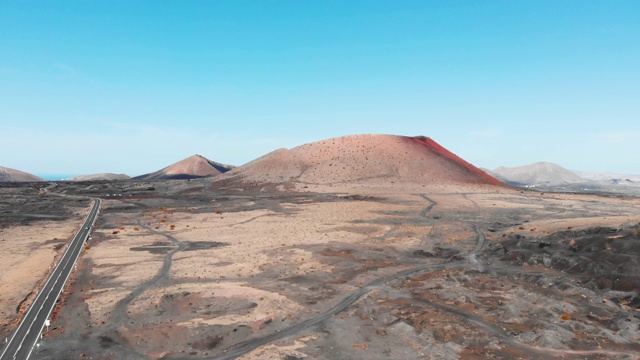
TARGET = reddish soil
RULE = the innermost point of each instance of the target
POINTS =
(363, 159)
(483, 177)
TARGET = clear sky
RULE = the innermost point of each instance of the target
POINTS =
(133, 86)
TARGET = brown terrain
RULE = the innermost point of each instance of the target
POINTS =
(363, 247)
(102, 176)
(366, 159)
(193, 167)
(13, 175)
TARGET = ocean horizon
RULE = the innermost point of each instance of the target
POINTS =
(55, 177)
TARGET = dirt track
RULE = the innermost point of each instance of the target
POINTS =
(255, 274)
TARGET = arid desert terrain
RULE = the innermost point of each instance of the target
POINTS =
(387, 267)
(371, 273)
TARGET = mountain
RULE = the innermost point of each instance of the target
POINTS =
(612, 178)
(537, 174)
(362, 158)
(103, 176)
(193, 167)
(13, 175)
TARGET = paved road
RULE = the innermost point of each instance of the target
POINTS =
(24, 339)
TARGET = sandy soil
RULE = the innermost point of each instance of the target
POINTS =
(31, 243)
(29, 253)
(356, 272)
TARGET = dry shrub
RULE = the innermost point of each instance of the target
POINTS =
(362, 346)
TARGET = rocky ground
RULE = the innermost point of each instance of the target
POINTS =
(185, 271)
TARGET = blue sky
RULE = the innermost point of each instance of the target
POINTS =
(132, 86)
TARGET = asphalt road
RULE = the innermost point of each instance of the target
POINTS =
(24, 339)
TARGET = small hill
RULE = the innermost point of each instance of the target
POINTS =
(537, 174)
(102, 176)
(13, 175)
(193, 167)
(358, 158)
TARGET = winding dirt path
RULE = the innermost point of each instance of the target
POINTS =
(426, 210)
(252, 344)
(480, 240)
(119, 315)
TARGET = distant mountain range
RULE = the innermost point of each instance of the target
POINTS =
(609, 177)
(103, 176)
(193, 167)
(367, 157)
(551, 176)
(540, 173)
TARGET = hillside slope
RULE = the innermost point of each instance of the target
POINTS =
(193, 167)
(13, 175)
(537, 174)
(362, 158)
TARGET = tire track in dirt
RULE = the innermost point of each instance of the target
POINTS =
(480, 240)
(249, 220)
(252, 344)
(119, 314)
(425, 211)
(423, 214)
(496, 330)
(504, 336)
(466, 197)
(249, 345)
